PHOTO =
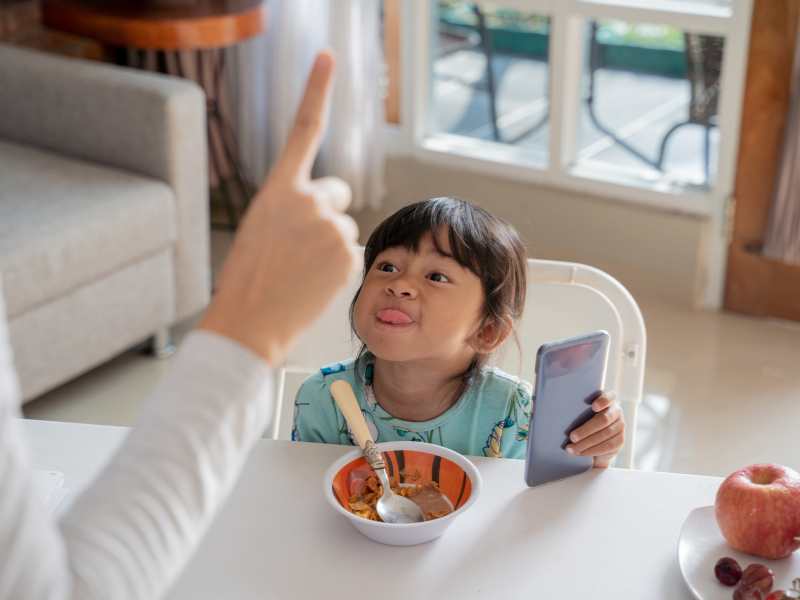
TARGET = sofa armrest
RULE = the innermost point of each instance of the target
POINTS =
(146, 123)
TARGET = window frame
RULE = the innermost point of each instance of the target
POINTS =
(568, 21)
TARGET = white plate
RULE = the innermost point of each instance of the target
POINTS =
(701, 545)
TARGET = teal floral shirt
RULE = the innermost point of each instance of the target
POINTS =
(490, 419)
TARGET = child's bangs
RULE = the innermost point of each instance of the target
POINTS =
(408, 226)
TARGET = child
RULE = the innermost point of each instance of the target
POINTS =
(444, 282)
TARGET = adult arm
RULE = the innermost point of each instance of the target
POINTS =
(133, 529)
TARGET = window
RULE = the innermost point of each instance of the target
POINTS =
(651, 102)
(634, 99)
(490, 76)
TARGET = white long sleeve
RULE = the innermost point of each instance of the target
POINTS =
(133, 529)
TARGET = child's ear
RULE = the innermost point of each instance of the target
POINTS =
(491, 335)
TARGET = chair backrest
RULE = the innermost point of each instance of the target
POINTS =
(563, 300)
(289, 381)
(569, 299)
(703, 70)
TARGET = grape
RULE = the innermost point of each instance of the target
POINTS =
(728, 571)
(757, 577)
(747, 593)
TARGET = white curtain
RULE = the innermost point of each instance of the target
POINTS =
(271, 73)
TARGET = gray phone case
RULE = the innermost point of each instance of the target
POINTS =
(569, 376)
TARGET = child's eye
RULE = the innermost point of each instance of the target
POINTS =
(387, 267)
(439, 277)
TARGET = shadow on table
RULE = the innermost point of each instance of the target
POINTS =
(537, 513)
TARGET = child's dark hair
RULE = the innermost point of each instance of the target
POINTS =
(479, 241)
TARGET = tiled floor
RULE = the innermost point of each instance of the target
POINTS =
(721, 390)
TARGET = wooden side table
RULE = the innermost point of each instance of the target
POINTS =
(170, 28)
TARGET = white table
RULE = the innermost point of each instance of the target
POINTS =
(605, 534)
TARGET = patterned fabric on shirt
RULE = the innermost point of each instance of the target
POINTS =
(490, 419)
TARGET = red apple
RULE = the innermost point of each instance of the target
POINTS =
(758, 510)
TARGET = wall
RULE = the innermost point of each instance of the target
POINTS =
(651, 252)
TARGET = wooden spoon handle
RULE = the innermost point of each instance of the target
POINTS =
(347, 403)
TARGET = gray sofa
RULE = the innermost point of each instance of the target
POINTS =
(104, 233)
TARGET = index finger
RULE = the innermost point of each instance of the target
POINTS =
(304, 139)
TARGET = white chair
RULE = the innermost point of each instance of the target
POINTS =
(289, 381)
(568, 299)
(563, 300)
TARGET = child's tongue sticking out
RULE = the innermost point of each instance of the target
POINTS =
(394, 317)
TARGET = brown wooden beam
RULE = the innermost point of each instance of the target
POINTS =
(756, 285)
(391, 48)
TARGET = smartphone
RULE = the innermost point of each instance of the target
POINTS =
(570, 375)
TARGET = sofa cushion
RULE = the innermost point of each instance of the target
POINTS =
(66, 222)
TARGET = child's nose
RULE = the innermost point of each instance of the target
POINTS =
(401, 289)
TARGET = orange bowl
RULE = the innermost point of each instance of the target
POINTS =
(458, 479)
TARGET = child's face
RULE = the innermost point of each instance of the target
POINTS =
(419, 305)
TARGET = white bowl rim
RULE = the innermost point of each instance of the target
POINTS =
(462, 461)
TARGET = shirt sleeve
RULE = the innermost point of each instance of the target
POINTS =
(514, 442)
(130, 533)
(316, 418)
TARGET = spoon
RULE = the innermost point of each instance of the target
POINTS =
(391, 507)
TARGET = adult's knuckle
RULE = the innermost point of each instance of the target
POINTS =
(337, 239)
(326, 229)
(307, 123)
(301, 198)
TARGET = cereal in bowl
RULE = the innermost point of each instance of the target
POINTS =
(365, 490)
